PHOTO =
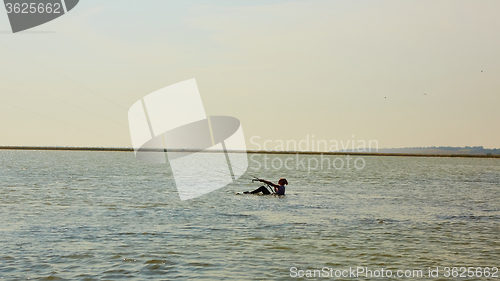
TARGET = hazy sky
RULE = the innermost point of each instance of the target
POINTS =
(404, 73)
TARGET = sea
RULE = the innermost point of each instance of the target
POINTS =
(93, 215)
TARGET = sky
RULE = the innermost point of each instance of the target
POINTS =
(403, 73)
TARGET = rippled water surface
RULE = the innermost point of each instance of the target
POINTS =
(105, 216)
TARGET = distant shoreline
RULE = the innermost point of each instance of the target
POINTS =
(129, 149)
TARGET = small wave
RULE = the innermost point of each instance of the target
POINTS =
(117, 271)
(78, 256)
(471, 217)
(155, 262)
(51, 277)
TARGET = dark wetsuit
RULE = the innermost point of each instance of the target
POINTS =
(262, 189)
(281, 190)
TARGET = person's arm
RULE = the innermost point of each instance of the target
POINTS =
(269, 183)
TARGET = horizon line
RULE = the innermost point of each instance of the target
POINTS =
(131, 149)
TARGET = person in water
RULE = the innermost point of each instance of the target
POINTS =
(279, 189)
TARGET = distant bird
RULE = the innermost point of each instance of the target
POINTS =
(385, 97)
(481, 71)
(425, 94)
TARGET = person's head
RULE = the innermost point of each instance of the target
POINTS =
(282, 181)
